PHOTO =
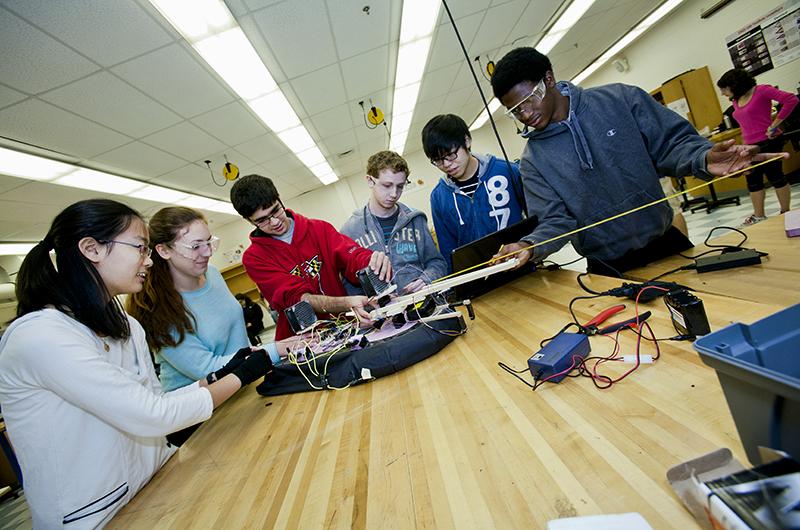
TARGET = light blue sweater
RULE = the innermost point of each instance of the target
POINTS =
(219, 333)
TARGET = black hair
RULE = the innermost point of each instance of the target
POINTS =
(74, 286)
(253, 192)
(244, 298)
(517, 66)
(738, 80)
(443, 134)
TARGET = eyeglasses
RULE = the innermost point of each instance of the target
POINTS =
(144, 250)
(279, 209)
(197, 247)
(536, 96)
(449, 157)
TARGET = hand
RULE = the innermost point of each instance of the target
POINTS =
(514, 250)
(256, 366)
(414, 286)
(725, 158)
(358, 305)
(772, 132)
(295, 343)
(381, 265)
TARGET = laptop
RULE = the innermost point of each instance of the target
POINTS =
(482, 250)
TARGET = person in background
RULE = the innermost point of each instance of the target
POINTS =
(84, 409)
(752, 108)
(477, 195)
(193, 323)
(253, 318)
(387, 225)
(598, 153)
(293, 258)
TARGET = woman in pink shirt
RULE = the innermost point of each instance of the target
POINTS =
(753, 110)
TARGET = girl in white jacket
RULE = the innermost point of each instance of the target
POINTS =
(85, 412)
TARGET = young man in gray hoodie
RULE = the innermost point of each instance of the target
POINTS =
(596, 153)
(384, 224)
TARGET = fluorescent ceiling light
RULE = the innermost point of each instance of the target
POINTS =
(628, 38)
(17, 164)
(236, 61)
(312, 157)
(564, 23)
(89, 179)
(159, 194)
(330, 178)
(402, 123)
(15, 249)
(205, 17)
(416, 29)
(274, 110)
(213, 32)
(297, 139)
(222, 207)
(195, 201)
(483, 117)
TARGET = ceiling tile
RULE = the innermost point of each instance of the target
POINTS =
(186, 141)
(530, 24)
(320, 90)
(104, 98)
(355, 31)
(232, 123)
(43, 193)
(9, 183)
(340, 142)
(55, 63)
(254, 5)
(9, 96)
(280, 25)
(282, 165)
(175, 77)
(222, 193)
(367, 73)
(139, 160)
(463, 8)
(445, 49)
(39, 123)
(438, 82)
(190, 177)
(263, 148)
(458, 98)
(495, 27)
(332, 121)
(110, 23)
(11, 230)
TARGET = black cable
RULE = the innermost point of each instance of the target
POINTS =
(555, 266)
(580, 282)
(689, 267)
(513, 372)
(478, 84)
(571, 302)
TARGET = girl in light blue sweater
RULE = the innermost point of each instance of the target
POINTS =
(194, 324)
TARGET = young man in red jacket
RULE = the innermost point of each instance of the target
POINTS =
(293, 258)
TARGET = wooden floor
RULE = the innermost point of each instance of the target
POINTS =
(455, 442)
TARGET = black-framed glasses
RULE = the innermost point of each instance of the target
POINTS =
(278, 210)
(449, 157)
(144, 250)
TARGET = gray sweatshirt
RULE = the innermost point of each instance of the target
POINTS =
(606, 158)
(411, 248)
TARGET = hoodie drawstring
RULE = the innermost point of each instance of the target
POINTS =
(579, 140)
(455, 202)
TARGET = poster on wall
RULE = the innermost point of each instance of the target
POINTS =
(772, 40)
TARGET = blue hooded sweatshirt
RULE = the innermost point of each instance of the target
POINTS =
(606, 158)
(496, 204)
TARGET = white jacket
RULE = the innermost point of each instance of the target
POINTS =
(87, 425)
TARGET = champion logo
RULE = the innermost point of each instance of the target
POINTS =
(611, 132)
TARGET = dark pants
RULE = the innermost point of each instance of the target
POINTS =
(671, 242)
(773, 171)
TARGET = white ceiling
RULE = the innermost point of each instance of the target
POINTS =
(110, 85)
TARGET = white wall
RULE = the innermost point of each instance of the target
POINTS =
(683, 41)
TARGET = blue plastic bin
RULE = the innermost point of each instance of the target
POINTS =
(758, 366)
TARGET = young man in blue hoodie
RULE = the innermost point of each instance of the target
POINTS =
(386, 225)
(477, 195)
(596, 153)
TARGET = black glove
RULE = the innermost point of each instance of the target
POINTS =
(257, 365)
(237, 359)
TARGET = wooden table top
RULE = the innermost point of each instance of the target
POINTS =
(775, 281)
(455, 442)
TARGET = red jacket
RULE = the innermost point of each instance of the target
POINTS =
(312, 263)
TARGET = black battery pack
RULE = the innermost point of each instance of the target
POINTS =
(687, 312)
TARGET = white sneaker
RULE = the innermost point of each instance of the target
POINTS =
(753, 219)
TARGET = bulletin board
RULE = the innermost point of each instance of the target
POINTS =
(771, 40)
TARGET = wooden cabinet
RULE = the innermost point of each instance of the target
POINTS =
(239, 282)
(699, 94)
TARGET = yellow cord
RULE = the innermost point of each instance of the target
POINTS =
(598, 223)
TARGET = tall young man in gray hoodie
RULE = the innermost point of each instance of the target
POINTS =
(384, 224)
(596, 153)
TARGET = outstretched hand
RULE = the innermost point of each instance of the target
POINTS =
(726, 157)
(521, 251)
